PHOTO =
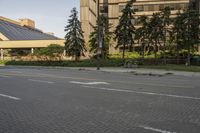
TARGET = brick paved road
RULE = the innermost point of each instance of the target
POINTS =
(72, 101)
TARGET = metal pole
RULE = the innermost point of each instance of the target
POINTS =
(32, 50)
(99, 37)
(2, 54)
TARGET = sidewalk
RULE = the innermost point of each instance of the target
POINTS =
(142, 71)
(136, 71)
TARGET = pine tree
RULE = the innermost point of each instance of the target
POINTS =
(142, 33)
(155, 26)
(74, 42)
(177, 33)
(125, 31)
(166, 21)
(186, 32)
(192, 31)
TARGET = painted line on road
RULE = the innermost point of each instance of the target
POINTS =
(41, 81)
(89, 79)
(144, 92)
(10, 97)
(15, 71)
(4, 76)
(88, 83)
(155, 129)
(161, 85)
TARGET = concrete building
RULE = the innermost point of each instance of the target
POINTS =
(88, 16)
(112, 9)
(22, 34)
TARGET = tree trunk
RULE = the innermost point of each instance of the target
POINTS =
(177, 55)
(189, 56)
(177, 52)
(143, 52)
(164, 52)
(76, 58)
(164, 45)
(155, 53)
(123, 55)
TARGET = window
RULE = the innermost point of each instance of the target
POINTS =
(138, 8)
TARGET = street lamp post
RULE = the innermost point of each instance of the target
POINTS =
(99, 36)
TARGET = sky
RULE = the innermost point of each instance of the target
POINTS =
(49, 15)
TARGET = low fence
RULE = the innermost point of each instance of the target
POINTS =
(162, 61)
(152, 61)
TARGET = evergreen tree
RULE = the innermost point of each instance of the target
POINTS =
(142, 33)
(155, 26)
(166, 21)
(177, 33)
(125, 31)
(186, 32)
(105, 34)
(192, 31)
(74, 42)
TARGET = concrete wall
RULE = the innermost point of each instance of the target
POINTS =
(29, 44)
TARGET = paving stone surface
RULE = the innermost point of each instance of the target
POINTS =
(63, 107)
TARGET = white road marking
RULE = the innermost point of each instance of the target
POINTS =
(10, 97)
(15, 71)
(37, 75)
(41, 81)
(155, 130)
(161, 85)
(4, 76)
(88, 83)
(144, 92)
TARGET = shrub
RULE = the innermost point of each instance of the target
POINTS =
(3, 62)
(53, 50)
(82, 63)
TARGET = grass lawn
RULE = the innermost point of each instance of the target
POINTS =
(174, 67)
(3, 62)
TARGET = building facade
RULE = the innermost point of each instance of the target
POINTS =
(88, 16)
(113, 8)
